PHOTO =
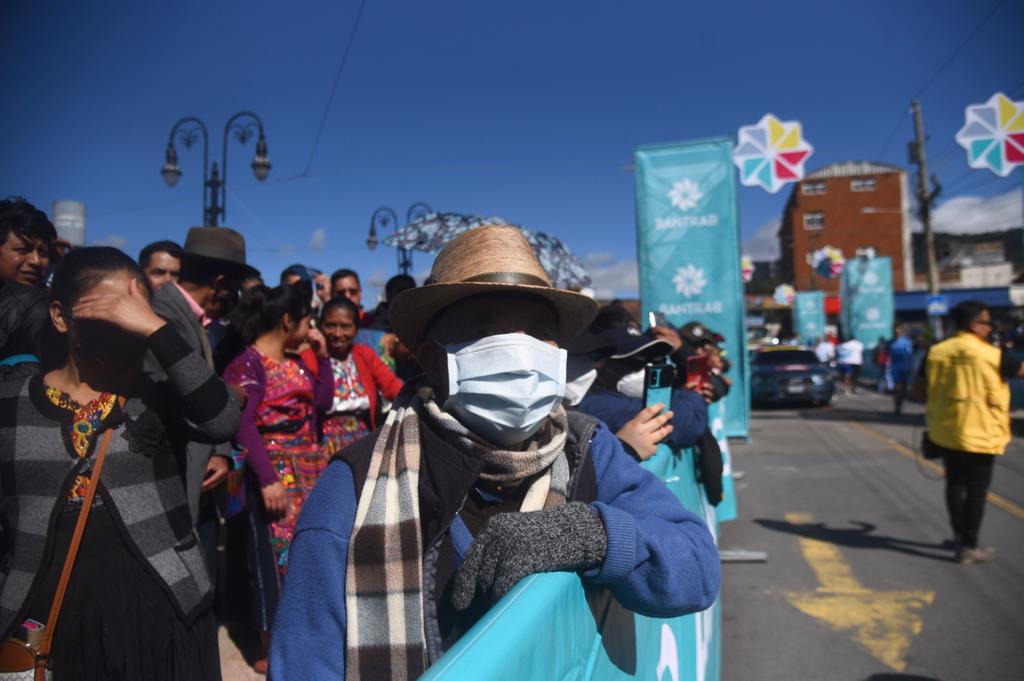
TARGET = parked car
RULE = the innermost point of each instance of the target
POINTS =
(787, 374)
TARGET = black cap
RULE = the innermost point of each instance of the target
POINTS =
(696, 334)
(629, 341)
(587, 344)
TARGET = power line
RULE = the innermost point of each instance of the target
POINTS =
(892, 135)
(334, 87)
(938, 72)
(958, 180)
(985, 181)
(960, 48)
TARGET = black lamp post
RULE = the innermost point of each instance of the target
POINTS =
(385, 217)
(244, 125)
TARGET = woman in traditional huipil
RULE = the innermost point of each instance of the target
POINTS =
(279, 426)
(360, 378)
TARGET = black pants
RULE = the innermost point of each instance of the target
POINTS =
(263, 585)
(210, 529)
(967, 479)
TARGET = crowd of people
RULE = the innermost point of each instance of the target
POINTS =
(384, 494)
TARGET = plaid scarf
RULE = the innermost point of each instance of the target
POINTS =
(385, 637)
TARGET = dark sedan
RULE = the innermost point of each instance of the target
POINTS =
(789, 374)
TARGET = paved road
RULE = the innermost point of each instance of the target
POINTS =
(860, 583)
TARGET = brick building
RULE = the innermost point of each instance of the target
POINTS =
(851, 206)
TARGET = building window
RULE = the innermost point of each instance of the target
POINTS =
(812, 188)
(814, 220)
(863, 184)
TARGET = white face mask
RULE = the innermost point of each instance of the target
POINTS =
(631, 385)
(576, 389)
(503, 387)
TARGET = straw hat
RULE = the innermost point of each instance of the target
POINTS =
(490, 259)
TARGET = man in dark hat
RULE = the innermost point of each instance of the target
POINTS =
(478, 478)
(212, 267)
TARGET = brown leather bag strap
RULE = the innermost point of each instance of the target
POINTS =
(43, 652)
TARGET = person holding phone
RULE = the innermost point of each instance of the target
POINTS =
(641, 435)
(616, 397)
(694, 340)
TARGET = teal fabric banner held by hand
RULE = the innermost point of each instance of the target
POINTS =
(688, 250)
(552, 626)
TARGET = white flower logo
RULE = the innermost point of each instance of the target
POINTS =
(872, 314)
(685, 194)
(871, 279)
(689, 281)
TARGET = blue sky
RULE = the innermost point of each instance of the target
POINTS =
(526, 110)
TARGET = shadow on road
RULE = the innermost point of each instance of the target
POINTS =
(900, 677)
(860, 537)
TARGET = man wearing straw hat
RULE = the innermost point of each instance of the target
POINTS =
(478, 478)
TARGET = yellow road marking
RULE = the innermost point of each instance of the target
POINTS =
(883, 622)
(996, 499)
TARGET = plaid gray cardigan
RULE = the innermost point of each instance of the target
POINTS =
(142, 478)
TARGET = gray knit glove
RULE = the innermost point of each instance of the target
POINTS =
(514, 545)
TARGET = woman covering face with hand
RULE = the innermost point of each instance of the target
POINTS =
(137, 603)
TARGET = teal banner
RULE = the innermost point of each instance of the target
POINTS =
(553, 627)
(728, 508)
(809, 316)
(688, 250)
(867, 300)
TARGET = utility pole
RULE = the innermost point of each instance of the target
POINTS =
(925, 198)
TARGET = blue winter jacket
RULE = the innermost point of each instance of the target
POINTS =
(689, 413)
(661, 559)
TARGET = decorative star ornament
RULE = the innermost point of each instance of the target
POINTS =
(771, 153)
(993, 134)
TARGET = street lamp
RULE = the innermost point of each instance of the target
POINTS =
(243, 125)
(385, 217)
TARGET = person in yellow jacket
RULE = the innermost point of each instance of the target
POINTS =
(967, 412)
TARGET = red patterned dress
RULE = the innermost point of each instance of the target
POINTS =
(283, 445)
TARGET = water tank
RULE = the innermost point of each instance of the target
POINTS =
(69, 220)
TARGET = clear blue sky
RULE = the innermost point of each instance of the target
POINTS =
(527, 110)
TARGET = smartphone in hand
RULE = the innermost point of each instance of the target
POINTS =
(656, 319)
(658, 384)
(697, 370)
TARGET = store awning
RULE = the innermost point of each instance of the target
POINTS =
(917, 301)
